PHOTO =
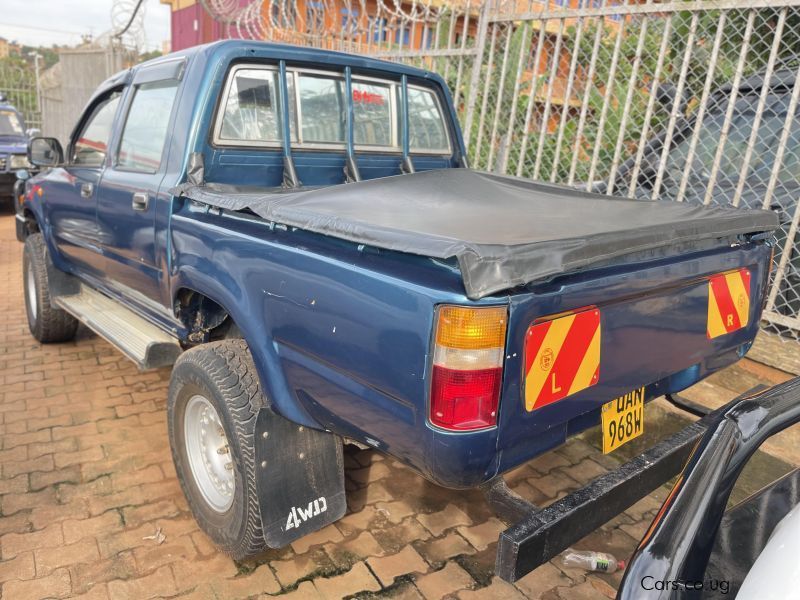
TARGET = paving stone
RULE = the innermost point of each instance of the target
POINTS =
(56, 585)
(87, 575)
(483, 535)
(540, 580)
(496, 590)
(403, 562)
(554, 483)
(259, 581)
(394, 512)
(160, 583)
(544, 463)
(345, 554)
(448, 518)
(103, 525)
(50, 559)
(13, 544)
(304, 591)
(448, 580)
(19, 567)
(584, 471)
(326, 534)
(358, 579)
(299, 567)
(395, 537)
(438, 550)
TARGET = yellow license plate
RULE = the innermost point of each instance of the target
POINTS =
(623, 420)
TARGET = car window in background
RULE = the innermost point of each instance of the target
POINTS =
(10, 123)
(372, 114)
(92, 143)
(426, 127)
(322, 109)
(146, 126)
(252, 109)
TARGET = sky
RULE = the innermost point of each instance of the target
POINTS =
(59, 22)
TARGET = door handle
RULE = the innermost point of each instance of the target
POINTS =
(140, 201)
(86, 190)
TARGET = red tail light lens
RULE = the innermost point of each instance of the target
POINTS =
(467, 367)
(464, 400)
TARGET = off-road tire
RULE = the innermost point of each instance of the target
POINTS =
(224, 373)
(47, 323)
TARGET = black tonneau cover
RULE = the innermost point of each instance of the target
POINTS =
(504, 231)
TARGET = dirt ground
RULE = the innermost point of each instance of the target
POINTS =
(88, 482)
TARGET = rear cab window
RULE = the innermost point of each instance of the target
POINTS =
(249, 112)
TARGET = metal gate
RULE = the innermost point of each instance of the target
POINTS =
(686, 101)
(18, 85)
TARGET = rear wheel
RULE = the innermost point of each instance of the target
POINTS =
(46, 322)
(214, 397)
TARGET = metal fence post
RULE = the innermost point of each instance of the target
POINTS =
(480, 43)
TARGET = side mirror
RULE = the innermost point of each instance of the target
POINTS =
(45, 152)
(33, 132)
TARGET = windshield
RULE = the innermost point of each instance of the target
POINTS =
(10, 123)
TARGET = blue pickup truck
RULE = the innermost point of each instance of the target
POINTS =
(298, 232)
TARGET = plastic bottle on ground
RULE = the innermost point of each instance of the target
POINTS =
(600, 562)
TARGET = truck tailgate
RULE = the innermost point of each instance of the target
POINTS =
(653, 324)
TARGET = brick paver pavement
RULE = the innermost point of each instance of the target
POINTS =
(88, 485)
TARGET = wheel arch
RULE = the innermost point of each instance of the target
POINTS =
(223, 301)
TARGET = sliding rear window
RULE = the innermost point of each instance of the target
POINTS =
(250, 112)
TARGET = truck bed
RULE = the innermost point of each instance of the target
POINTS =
(503, 231)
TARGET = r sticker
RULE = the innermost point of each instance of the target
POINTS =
(728, 302)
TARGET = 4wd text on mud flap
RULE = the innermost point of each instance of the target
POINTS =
(299, 515)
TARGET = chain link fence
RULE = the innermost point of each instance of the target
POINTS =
(18, 85)
(689, 102)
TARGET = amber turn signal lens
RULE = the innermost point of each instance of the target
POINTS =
(471, 328)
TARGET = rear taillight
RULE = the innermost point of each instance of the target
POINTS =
(469, 344)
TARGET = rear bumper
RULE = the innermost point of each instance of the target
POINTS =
(470, 460)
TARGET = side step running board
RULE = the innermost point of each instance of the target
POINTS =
(141, 341)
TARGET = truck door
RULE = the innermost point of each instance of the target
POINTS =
(71, 192)
(128, 193)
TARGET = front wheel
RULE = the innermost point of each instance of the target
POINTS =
(46, 322)
(214, 396)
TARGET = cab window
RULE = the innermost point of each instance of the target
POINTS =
(252, 107)
(91, 145)
(146, 126)
(426, 129)
(322, 108)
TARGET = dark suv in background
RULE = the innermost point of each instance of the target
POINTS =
(763, 157)
(13, 147)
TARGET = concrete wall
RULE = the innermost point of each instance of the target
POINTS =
(67, 87)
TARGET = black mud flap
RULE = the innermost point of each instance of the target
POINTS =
(300, 478)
